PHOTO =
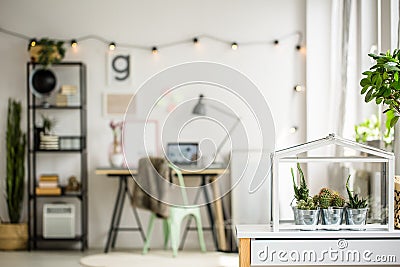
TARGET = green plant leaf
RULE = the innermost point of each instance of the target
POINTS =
(393, 121)
(364, 89)
(364, 82)
(368, 96)
(396, 76)
(378, 100)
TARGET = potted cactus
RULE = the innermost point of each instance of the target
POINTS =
(306, 211)
(356, 209)
(14, 235)
(331, 204)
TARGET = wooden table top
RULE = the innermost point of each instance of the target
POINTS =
(125, 171)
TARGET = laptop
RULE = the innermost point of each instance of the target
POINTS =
(183, 153)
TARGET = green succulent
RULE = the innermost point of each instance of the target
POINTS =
(307, 204)
(325, 198)
(301, 192)
(337, 200)
(355, 201)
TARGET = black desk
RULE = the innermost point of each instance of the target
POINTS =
(207, 176)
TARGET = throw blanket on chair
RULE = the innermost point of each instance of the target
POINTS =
(151, 186)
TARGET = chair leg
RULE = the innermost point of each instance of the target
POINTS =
(175, 226)
(166, 233)
(149, 233)
(200, 231)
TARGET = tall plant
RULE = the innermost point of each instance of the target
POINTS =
(15, 142)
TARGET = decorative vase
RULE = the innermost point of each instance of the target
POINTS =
(116, 157)
(332, 216)
(356, 217)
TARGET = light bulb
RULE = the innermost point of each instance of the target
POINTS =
(195, 40)
(293, 129)
(298, 88)
(276, 42)
(32, 42)
(154, 50)
(74, 43)
(112, 46)
(234, 46)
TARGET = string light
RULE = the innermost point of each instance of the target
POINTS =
(195, 40)
(112, 46)
(32, 42)
(298, 88)
(234, 46)
(74, 43)
(293, 129)
(154, 50)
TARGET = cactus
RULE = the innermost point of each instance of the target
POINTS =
(15, 141)
(337, 200)
(355, 202)
(307, 204)
(325, 198)
(301, 192)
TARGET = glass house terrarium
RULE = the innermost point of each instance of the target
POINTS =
(371, 169)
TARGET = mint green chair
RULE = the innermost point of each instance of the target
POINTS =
(172, 224)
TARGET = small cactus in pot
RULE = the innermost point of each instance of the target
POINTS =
(306, 211)
(331, 204)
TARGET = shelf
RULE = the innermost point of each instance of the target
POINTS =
(63, 195)
(74, 239)
(56, 150)
(55, 107)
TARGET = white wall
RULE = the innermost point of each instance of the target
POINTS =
(275, 70)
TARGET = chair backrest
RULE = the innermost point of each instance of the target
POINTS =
(181, 183)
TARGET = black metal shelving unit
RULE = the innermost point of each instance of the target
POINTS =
(34, 154)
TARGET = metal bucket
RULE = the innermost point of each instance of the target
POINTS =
(295, 215)
(308, 217)
(332, 216)
(357, 217)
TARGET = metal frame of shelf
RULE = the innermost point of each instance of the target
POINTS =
(34, 237)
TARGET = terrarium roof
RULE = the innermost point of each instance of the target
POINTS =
(332, 139)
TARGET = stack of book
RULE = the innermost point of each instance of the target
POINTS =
(48, 185)
(67, 96)
(49, 142)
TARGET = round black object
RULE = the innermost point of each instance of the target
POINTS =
(43, 82)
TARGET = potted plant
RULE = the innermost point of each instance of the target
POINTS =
(14, 235)
(356, 208)
(382, 83)
(369, 132)
(47, 51)
(306, 212)
(331, 204)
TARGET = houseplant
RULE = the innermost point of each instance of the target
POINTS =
(305, 212)
(47, 51)
(331, 204)
(14, 235)
(381, 82)
(356, 208)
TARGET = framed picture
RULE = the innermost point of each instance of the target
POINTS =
(119, 69)
(115, 104)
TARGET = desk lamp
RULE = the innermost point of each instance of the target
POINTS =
(200, 109)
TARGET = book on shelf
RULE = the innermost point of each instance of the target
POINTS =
(48, 177)
(48, 191)
(48, 184)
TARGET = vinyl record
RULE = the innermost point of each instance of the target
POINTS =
(43, 82)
